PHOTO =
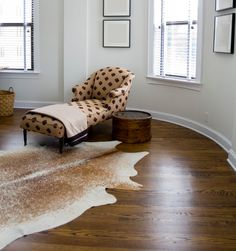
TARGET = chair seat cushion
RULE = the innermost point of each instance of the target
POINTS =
(43, 124)
(94, 109)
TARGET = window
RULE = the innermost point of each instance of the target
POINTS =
(174, 43)
(17, 35)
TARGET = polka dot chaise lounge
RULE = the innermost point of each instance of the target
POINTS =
(106, 91)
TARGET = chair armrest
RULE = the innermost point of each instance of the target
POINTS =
(122, 90)
(124, 87)
(117, 92)
(116, 99)
(83, 91)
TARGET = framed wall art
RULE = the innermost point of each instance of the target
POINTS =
(224, 4)
(116, 8)
(224, 33)
(116, 33)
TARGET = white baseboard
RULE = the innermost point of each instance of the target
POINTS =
(200, 128)
(32, 104)
(232, 159)
(193, 125)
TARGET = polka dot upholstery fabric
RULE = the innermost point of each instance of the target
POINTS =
(103, 93)
(108, 79)
(43, 124)
(94, 109)
(83, 91)
(111, 89)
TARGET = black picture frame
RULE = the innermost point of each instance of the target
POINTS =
(111, 30)
(224, 32)
(221, 5)
(116, 8)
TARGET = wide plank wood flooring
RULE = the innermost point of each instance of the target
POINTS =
(188, 200)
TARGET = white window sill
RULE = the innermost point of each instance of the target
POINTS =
(174, 82)
(6, 74)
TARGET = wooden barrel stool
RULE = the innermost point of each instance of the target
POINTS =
(131, 126)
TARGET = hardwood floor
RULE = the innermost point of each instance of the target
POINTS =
(188, 200)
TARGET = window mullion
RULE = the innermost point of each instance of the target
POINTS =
(188, 50)
(24, 36)
(32, 36)
(162, 47)
(189, 41)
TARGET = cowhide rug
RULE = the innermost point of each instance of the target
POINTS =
(42, 189)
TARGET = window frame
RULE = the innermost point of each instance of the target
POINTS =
(34, 25)
(171, 80)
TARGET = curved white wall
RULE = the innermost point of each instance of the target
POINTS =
(71, 48)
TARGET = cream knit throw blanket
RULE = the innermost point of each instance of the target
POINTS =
(74, 120)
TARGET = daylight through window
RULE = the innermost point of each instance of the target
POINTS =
(16, 35)
(175, 38)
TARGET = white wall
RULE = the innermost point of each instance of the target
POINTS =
(232, 151)
(71, 48)
(75, 44)
(234, 129)
(219, 78)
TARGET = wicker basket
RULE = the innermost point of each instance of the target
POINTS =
(7, 102)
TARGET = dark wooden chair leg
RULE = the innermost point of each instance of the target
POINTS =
(25, 136)
(61, 144)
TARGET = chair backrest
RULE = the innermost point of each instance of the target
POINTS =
(107, 79)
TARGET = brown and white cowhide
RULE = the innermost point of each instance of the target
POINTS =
(41, 189)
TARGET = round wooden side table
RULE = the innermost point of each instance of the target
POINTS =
(131, 126)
